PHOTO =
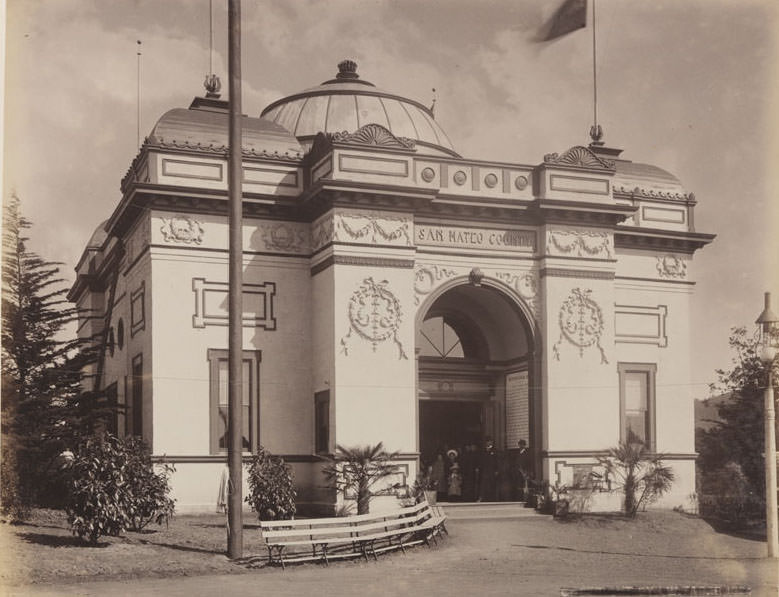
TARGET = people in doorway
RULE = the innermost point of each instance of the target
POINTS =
(488, 472)
(455, 478)
(438, 471)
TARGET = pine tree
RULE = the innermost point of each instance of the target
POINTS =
(40, 380)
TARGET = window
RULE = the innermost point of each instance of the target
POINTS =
(439, 339)
(134, 418)
(322, 422)
(137, 310)
(112, 414)
(217, 361)
(637, 401)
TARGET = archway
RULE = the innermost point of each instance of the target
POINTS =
(475, 346)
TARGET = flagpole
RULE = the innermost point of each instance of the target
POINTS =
(594, 72)
(235, 294)
(596, 132)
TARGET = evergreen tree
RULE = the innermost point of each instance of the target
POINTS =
(40, 376)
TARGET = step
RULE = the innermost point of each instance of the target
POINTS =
(486, 510)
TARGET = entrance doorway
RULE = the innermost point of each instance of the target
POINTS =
(448, 424)
(474, 399)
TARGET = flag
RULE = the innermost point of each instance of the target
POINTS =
(571, 15)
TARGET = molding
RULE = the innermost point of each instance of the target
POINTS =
(266, 291)
(361, 261)
(372, 134)
(222, 458)
(655, 280)
(138, 296)
(639, 193)
(579, 157)
(597, 453)
(653, 238)
(562, 272)
(657, 317)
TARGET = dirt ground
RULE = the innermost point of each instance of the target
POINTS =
(522, 556)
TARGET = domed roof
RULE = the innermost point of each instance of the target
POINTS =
(205, 126)
(98, 236)
(347, 103)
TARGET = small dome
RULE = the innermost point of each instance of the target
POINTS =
(647, 178)
(347, 103)
(98, 237)
(206, 125)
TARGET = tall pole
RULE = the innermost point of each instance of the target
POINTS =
(772, 539)
(235, 328)
(594, 73)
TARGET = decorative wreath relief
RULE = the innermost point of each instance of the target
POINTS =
(182, 229)
(374, 315)
(581, 323)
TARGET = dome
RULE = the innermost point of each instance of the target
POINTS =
(347, 103)
(205, 125)
(98, 237)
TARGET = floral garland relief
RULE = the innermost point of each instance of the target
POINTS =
(581, 243)
(374, 315)
(581, 323)
(375, 230)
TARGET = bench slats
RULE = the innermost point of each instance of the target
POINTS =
(351, 536)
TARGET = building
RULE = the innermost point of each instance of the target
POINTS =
(394, 291)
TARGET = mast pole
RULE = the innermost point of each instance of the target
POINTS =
(235, 327)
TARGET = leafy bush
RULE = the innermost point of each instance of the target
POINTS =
(113, 487)
(148, 489)
(271, 491)
(726, 495)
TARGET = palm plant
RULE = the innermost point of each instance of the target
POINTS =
(359, 469)
(639, 473)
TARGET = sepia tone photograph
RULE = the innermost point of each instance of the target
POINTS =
(387, 296)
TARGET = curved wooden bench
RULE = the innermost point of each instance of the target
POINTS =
(351, 536)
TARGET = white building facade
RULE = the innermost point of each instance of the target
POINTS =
(393, 291)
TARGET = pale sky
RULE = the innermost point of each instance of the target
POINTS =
(686, 85)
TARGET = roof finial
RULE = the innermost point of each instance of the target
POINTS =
(432, 106)
(596, 134)
(347, 69)
(213, 85)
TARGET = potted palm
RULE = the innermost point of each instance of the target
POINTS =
(425, 486)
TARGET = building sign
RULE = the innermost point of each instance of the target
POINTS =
(517, 408)
(503, 239)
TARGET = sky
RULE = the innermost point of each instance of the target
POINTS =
(686, 85)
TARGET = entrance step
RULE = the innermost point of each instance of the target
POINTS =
(487, 510)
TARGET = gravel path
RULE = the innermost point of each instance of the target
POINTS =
(513, 556)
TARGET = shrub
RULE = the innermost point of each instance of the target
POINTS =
(147, 489)
(640, 474)
(113, 487)
(358, 469)
(271, 491)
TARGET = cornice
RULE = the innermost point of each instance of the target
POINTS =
(623, 192)
(654, 238)
(220, 151)
(562, 272)
(552, 211)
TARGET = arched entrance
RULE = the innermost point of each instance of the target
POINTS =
(475, 348)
